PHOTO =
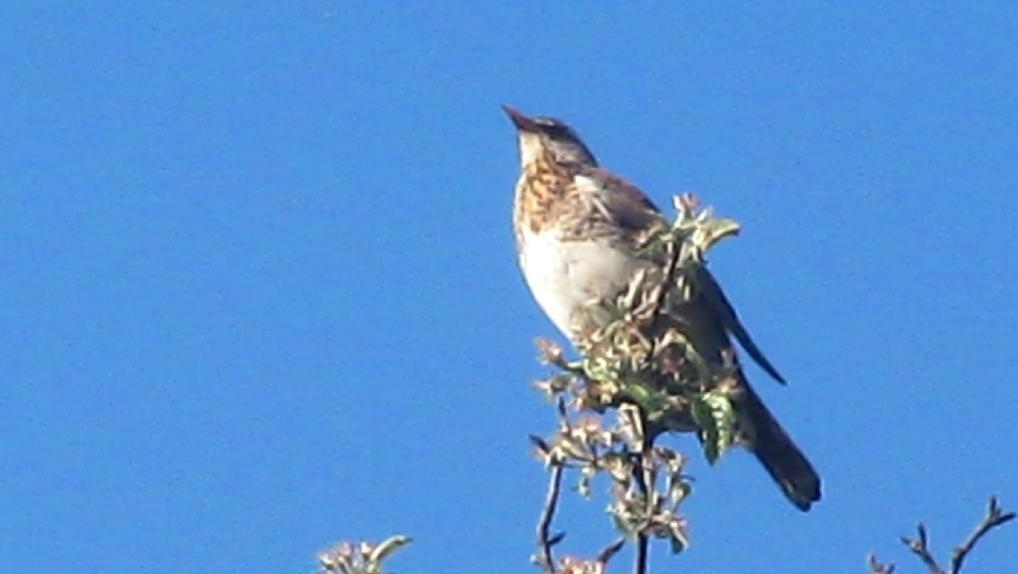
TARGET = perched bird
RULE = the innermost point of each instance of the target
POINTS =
(576, 227)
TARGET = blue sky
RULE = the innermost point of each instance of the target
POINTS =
(261, 294)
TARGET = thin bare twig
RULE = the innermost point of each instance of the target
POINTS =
(545, 540)
(609, 551)
(674, 254)
(994, 517)
(920, 544)
(640, 562)
(645, 482)
(666, 282)
(877, 567)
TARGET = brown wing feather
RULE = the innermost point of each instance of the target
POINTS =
(626, 204)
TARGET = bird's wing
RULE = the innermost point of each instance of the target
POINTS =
(627, 206)
(715, 297)
(624, 203)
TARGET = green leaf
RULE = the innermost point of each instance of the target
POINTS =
(644, 396)
(712, 231)
(388, 546)
(715, 417)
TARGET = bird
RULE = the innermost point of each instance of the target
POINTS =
(577, 226)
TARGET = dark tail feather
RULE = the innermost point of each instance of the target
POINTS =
(774, 448)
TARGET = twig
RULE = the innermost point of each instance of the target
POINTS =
(640, 562)
(919, 546)
(994, 517)
(645, 482)
(545, 541)
(666, 282)
(877, 567)
(609, 551)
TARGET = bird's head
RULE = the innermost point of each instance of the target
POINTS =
(541, 135)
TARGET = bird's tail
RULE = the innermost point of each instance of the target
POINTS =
(789, 468)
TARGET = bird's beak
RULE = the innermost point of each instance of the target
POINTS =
(521, 121)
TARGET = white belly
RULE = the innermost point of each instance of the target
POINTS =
(564, 276)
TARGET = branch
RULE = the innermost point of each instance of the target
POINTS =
(645, 483)
(921, 549)
(674, 252)
(877, 567)
(920, 544)
(545, 540)
(994, 518)
(640, 562)
(609, 551)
